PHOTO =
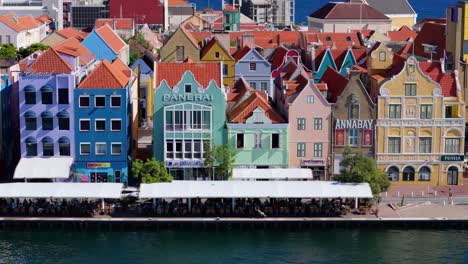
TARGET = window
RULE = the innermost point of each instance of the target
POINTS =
(63, 96)
(301, 149)
(382, 56)
(116, 124)
(63, 120)
(328, 38)
(240, 140)
(30, 120)
(353, 111)
(318, 123)
(100, 101)
(252, 66)
(225, 70)
(85, 124)
(394, 145)
(8, 39)
(117, 176)
(169, 149)
(410, 89)
(301, 124)
(85, 149)
(29, 95)
(353, 137)
(263, 86)
(100, 125)
(64, 146)
(188, 88)
(115, 101)
(188, 149)
(178, 149)
(424, 174)
(47, 121)
(408, 174)
(46, 95)
(348, 38)
(425, 145)
(253, 85)
(393, 173)
(217, 55)
(31, 147)
(426, 112)
(275, 141)
(258, 140)
(310, 99)
(47, 147)
(84, 101)
(100, 148)
(318, 150)
(452, 145)
(411, 68)
(448, 111)
(116, 148)
(180, 56)
(395, 111)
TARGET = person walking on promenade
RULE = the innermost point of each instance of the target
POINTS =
(450, 194)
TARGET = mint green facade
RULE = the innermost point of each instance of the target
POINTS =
(185, 120)
(257, 150)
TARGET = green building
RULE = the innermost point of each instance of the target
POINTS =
(231, 18)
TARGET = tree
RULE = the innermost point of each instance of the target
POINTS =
(7, 51)
(24, 52)
(150, 171)
(219, 159)
(357, 168)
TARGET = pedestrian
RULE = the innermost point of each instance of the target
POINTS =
(450, 194)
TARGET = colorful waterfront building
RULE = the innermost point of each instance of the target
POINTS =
(103, 122)
(105, 44)
(420, 130)
(189, 115)
(231, 16)
(213, 51)
(143, 68)
(254, 69)
(256, 131)
(180, 46)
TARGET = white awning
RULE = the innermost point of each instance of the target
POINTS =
(255, 189)
(61, 190)
(271, 174)
(43, 168)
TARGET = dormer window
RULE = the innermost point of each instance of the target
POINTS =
(253, 66)
(348, 38)
(328, 38)
(217, 55)
(188, 88)
(411, 68)
(382, 56)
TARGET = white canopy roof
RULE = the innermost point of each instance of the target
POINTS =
(273, 174)
(255, 189)
(61, 190)
(43, 168)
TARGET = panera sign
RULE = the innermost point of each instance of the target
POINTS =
(353, 124)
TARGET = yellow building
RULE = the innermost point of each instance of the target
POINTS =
(399, 11)
(144, 70)
(420, 127)
(213, 51)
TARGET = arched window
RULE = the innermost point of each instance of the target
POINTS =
(47, 120)
(452, 176)
(30, 120)
(46, 95)
(31, 146)
(353, 107)
(47, 147)
(64, 146)
(29, 95)
(63, 120)
(424, 174)
(393, 173)
(408, 174)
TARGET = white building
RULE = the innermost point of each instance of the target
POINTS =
(277, 12)
(35, 8)
(21, 31)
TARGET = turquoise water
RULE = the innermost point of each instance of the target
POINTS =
(264, 246)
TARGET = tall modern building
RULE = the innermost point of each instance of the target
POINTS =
(83, 14)
(35, 8)
(280, 13)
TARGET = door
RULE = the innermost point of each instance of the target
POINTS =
(452, 176)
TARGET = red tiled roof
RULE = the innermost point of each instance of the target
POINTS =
(190, 37)
(104, 76)
(204, 73)
(72, 33)
(208, 46)
(403, 34)
(49, 62)
(256, 100)
(241, 87)
(231, 8)
(432, 34)
(333, 40)
(120, 65)
(446, 80)
(335, 84)
(111, 38)
(339, 57)
(347, 10)
(74, 48)
(239, 54)
(359, 54)
(44, 19)
(115, 23)
(199, 36)
(269, 39)
(359, 68)
(278, 57)
(19, 24)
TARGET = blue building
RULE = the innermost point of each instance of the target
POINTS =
(105, 44)
(103, 124)
(255, 69)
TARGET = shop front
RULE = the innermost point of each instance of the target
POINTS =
(101, 172)
(317, 166)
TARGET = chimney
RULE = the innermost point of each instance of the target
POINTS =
(248, 40)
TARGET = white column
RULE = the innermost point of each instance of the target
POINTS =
(102, 204)
(356, 202)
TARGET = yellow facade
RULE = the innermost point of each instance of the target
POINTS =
(465, 26)
(401, 20)
(419, 132)
(217, 53)
(146, 85)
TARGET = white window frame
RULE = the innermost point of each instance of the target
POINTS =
(310, 99)
(84, 119)
(115, 119)
(81, 146)
(79, 101)
(384, 56)
(116, 143)
(254, 68)
(100, 96)
(115, 96)
(96, 148)
(95, 124)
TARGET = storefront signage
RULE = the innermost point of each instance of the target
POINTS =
(312, 162)
(452, 158)
(184, 163)
(95, 165)
(354, 123)
(187, 97)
